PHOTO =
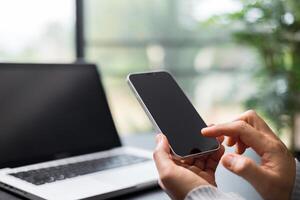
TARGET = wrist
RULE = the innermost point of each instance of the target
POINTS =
(203, 190)
(209, 192)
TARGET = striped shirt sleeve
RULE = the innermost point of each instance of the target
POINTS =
(210, 193)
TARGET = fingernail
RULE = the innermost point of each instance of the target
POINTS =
(229, 160)
(158, 139)
(204, 130)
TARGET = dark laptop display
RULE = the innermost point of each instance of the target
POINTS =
(52, 111)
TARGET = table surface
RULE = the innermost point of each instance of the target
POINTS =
(226, 181)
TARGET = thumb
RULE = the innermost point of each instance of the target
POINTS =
(244, 167)
(162, 143)
(161, 153)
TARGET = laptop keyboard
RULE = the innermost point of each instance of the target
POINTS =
(61, 172)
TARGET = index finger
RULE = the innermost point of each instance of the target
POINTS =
(240, 129)
(254, 120)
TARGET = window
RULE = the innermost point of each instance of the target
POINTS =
(34, 30)
(136, 35)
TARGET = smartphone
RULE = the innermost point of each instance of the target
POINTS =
(172, 113)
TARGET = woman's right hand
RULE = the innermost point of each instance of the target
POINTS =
(274, 177)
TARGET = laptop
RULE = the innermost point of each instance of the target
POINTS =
(58, 140)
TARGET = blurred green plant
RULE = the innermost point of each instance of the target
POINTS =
(273, 28)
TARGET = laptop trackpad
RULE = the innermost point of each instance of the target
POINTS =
(130, 175)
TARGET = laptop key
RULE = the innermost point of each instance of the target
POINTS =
(62, 172)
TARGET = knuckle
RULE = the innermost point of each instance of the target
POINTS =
(269, 142)
(279, 146)
(243, 166)
(155, 154)
(251, 113)
(241, 125)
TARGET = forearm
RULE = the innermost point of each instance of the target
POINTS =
(210, 193)
(296, 190)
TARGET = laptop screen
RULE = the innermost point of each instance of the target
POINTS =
(50, 111)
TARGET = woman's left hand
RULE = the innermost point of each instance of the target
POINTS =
(178, 178)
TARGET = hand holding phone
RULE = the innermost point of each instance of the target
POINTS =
(172, 113)
(179, 178)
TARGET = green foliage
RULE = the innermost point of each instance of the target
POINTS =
(273, 28)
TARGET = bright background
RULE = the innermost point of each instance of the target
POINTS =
(124, 36)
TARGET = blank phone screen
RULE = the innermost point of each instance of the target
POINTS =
(173, 113)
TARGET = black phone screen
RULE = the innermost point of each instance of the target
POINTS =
(172, 112)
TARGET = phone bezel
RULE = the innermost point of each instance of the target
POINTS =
(140, 100)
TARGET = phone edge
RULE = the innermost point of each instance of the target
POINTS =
(131, 86)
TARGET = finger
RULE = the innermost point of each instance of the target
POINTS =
(189, 161)
(194, 169)
(178, 162)
(161, 154)
(244, 167)
(252, 118)
(220, 139)
(183, 165)
(240, 147)
(208, 176)
(213, 160)
(218, 154)
(239, 129)
(200, 162)
(230, 141)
